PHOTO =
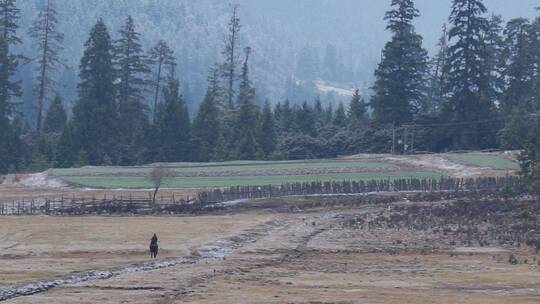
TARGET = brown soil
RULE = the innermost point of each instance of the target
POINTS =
(442, 252)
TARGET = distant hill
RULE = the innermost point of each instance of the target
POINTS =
(277, 30)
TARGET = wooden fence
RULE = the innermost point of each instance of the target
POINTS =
(357, 187)
(106, 205)
(210, 200)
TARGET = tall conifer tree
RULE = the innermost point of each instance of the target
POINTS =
(162, 59)
(357, 112)
(132, 68)
(267, 137)
(95, 119)
(518, 73)
(437, 74)
(245, 125)
(466, 70)
(174, 129)
(399, 84)
(230, 54)
(49, 43)
(206, 125)
(56, 117)
(9, 88)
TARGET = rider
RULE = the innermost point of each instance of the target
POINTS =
(154, 246)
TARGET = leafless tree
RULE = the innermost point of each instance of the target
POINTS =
(158, 176)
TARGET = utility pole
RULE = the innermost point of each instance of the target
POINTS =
(405, 147)
(412, 143)
(393, 138)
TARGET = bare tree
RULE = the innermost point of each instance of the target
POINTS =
(160, 56)
(49, 41)
(158, 176)
(231, 55)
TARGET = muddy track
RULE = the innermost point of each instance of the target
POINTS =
(267, 258)
(214, 250)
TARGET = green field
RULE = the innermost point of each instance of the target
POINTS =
(227, 167)
(488, 161)
(111, 182)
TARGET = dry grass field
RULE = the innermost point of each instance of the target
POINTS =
(286, 251)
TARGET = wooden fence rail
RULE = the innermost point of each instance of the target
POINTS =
(357, 187)
(210, 199)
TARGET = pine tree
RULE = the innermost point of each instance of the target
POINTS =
(399, 83)
(437, 75)
(9, 88)
(329, 114)
(95, 114)
(518, 73)
(206, 125)
(356, 117)
(535, 50)
(530, 161)
(173, 125)
(246, 121)
(340, 118)
(267, 137)
(466, 70)
(67, 149)
(230, 54)
(132, 67)
(49, 43)
(162, 58)
(493, 60)
(319, 112)
(285, 118)
(56, 117)
(305, 120)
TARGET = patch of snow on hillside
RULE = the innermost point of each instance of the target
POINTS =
(326, 88)
(42, 180)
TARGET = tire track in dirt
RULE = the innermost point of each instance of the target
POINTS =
(271, 260)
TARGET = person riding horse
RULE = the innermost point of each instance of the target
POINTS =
(154, 247)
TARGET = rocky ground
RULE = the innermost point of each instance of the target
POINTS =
(294, 250)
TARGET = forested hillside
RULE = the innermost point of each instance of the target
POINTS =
(302, 40)
(131, 82)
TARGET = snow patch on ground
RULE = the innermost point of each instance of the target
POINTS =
(42, 180)
(233, 202)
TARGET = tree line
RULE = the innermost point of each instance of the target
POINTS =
(480, 90)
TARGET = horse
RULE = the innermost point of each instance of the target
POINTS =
(154, 247)
(153, 250)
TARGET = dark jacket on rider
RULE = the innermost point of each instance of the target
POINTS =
(154, 240)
